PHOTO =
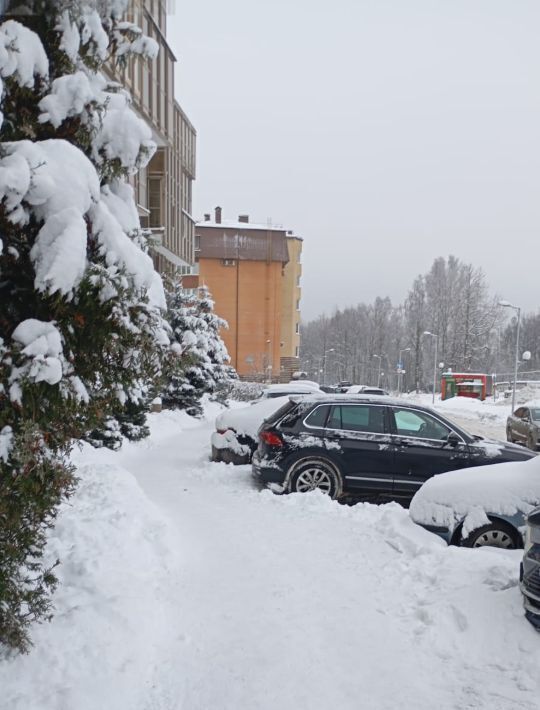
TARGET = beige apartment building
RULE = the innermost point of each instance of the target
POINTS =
(253, 272)
(290, 312)
(163, 190)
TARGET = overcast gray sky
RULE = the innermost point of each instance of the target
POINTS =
(385, 132)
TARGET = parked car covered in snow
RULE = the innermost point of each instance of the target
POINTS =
(523, 426)
(480, 506)
(365, 389)
(235, 438)
(305, 383)
(284, 390)
(367, 446)
(530, 569)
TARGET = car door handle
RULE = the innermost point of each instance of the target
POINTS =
(402, 442)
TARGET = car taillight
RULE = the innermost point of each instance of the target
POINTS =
(270, 438)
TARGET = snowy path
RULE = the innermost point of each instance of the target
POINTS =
(297, 602)
(218, 596)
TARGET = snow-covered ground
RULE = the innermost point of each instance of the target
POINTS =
(187, 588)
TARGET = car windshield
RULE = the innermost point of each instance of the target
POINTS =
(535, 414)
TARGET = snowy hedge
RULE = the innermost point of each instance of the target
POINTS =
(81, 326)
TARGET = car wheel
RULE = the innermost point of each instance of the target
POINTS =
(495, 534)
(315, 474)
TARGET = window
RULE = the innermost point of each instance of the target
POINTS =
(297, 328)
(317, 418)
(154, 202)
(297, 351)
(535, 413)
(419, 425)
(355, 417)
(228, 262)
(297, 304)
(519, 413)
(197, 242)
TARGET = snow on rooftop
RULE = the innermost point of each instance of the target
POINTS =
(234, 224)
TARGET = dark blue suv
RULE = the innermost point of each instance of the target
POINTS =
(366, 446)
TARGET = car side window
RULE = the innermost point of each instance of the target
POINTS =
(355, 417)
(419, 425)
(525, 415)
(317, 417)
(519, 413)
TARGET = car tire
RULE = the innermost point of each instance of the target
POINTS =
(495, 534)
(315, 474)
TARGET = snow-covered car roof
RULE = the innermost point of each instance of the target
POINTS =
(468, 494)
(292, 388)
(305, 383)
(248, 419)
(359, 389)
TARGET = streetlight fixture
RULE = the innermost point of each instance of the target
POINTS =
(330, 350)
(379, 357)
(507, 304)
(400, 367)
(433, 335)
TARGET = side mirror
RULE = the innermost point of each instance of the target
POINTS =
(453, 439)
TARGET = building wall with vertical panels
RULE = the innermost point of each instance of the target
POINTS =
(292, 292)
(173, 167)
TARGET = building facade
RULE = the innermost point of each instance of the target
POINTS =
(290, 318)
(163, 190)
(253, 273)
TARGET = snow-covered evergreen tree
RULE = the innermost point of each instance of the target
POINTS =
(80, 303)
(198, 359)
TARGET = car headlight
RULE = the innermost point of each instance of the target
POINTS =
(532, 539)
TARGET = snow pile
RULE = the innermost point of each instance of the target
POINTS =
(468, 495)
(468, 408)
(228, 440)
(247, 420)
(113, 604)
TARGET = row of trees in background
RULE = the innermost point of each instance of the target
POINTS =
(362, 343)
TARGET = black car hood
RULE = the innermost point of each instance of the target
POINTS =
(496, 448)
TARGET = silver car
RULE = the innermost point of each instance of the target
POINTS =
(523, 426)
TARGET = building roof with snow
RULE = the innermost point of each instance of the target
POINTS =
(240, 239)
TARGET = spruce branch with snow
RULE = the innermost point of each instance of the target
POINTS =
(81, 326)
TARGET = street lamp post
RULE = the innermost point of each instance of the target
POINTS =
(433, 335)
(379, 357)
(269, 365)
(400, 366)
(506, 304)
